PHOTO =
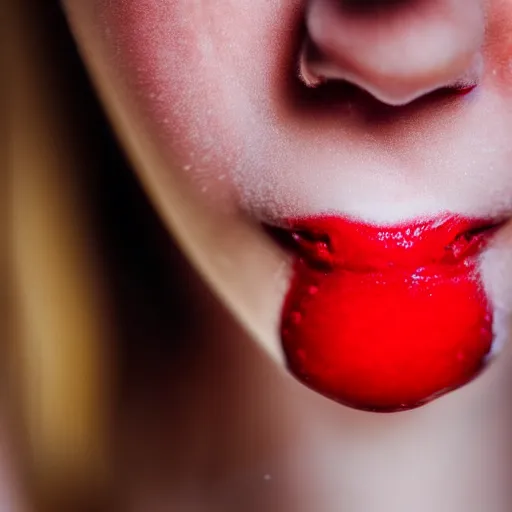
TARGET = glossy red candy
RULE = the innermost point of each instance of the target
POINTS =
(386, 318)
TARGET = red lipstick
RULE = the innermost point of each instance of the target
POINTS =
(386, 318)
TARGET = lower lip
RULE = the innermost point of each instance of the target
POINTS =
(386, 318)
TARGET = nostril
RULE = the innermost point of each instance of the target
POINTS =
(316, 71)
(309, 65)
(463, 90)
(396, 51)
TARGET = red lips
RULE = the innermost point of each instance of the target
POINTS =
(386, 318)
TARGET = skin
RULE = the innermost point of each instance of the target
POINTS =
(216, 91)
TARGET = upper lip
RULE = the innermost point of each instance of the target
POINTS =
(338, 241)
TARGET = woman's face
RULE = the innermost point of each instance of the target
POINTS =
(328, 118)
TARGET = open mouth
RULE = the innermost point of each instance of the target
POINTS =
(386, 318)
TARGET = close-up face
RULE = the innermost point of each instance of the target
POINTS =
(361, 149)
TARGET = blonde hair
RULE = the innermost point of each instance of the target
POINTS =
(57, 351)
(62, 371)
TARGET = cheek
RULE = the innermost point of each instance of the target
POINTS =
(209, 83)
(498, 48)
(194, 74)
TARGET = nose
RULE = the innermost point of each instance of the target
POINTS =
(397, 50)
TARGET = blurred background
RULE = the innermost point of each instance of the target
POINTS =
(70, 209)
